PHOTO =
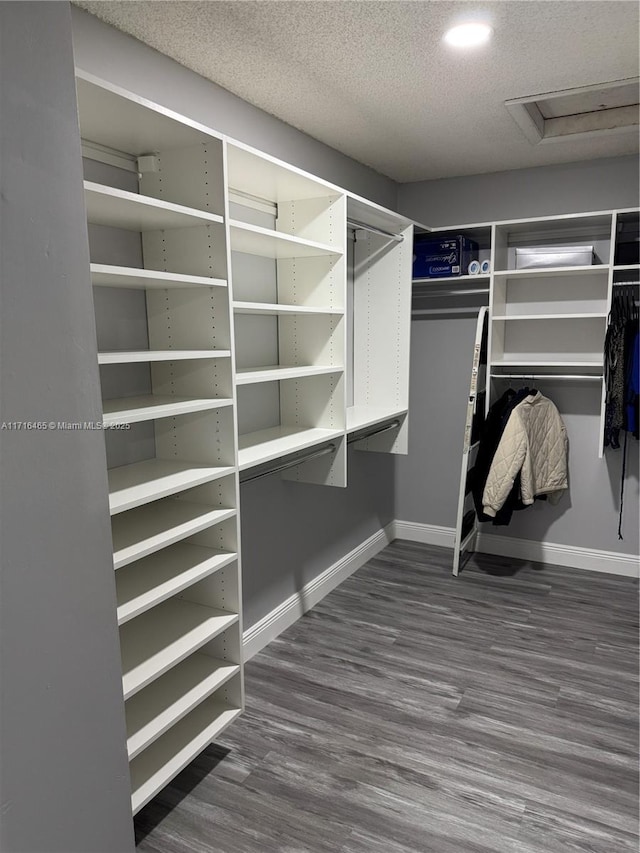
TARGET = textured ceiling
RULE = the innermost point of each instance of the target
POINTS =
(374, 80)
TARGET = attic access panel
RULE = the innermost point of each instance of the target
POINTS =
(588, 111)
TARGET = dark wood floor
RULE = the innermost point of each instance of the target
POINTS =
(411, 712)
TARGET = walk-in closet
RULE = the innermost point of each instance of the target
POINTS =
(319, 427)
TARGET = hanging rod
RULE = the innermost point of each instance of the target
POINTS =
(358, 436)
(330, 448)
(591, 377)
(450, 291)
(356, 224)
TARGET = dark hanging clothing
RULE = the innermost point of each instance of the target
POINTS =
(622, 376)
(632, 379)
(619, 352)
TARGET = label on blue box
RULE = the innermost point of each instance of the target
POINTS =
(437, 258)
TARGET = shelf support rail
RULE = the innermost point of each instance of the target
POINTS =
(359, 436)
(354, 223)
(283, 466)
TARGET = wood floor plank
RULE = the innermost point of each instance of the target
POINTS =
(551, 830)
(412, 712)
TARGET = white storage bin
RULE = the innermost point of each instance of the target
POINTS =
(536, 257)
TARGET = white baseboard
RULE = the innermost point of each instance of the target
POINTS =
(282, 617)
(572, 556)
(428, 534)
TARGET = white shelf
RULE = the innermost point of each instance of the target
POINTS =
(163, 636)
(265, 445)
(626, 268)
(105, 275)
(142, 482)
(592, 269)
(261, 175)
(147, 529)
(126, 122)
(134, 212)
(586, 377)
(145, 356)
(150, 581)
(361, 417)
(579, 316)
(368, 212)
(254, 240)
(168, 755)
(284, 310)
(275, 373)
(561, 225)
(131, 410)
(530, 363)
(154, 710)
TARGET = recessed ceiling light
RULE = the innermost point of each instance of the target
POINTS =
(468, 35)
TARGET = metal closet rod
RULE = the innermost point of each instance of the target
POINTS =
(360, 437)
(451, 291)
(356, 224)
(330, 448)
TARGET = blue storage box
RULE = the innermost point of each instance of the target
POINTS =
(437, 257)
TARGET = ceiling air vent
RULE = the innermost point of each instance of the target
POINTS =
(589, 111)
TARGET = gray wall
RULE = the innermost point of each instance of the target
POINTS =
(427, 481)
(121, 59)
(64, 781)
(543, 191)
(293, 531)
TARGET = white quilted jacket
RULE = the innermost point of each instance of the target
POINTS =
(534, 443)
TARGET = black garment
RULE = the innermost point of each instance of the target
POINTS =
(494, 426)
(621, 375)
(623, 320)
(630, 378)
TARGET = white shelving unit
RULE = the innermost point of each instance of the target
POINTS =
(166, 358)
(547, 325)
(287, 238)
(380, 327)
(550, 323)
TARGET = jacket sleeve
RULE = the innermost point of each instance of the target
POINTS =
(553, 496)
(507, 461)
